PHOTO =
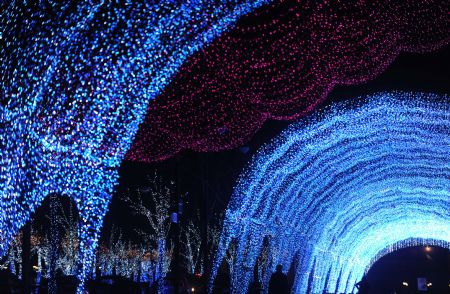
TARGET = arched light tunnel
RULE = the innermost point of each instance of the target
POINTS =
(338, 191)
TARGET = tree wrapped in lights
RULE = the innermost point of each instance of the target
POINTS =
(118, 257)
(69, 241)
(115, 257)
(106, 257)
(123, 253)
(191, 242)
(134, 261)
(43, 244)
(42, 250)
(76, 80)
(41, 254)
(118, 254)
(264, 263)
(280, 62)
(230, 258)
(213, 235)
(157, 216)
(13, 260)
(341, 189)
(147, 266)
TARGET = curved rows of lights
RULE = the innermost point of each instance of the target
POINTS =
(279, 63)
(76, 80)
(341, 189)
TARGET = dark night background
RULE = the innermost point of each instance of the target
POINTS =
(406, 265)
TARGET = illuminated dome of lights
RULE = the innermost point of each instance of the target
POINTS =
(280, 62)
(337, 191)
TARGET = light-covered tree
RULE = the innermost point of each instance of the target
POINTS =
(153, 203)
(68, 221)
(213, 234)
(263, 263)
(230, 257)
(191, 244)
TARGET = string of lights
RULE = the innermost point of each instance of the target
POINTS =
(76, 80)
(279, 63)
(337, 191)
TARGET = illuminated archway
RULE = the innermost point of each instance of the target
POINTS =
(344, 187)
(76, 80)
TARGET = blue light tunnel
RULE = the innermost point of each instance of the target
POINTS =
(338, 191)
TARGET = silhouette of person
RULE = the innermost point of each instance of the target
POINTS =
(363, 286)
(278, 283)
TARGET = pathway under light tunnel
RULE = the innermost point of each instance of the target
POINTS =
(409, 269)
(338, 191)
